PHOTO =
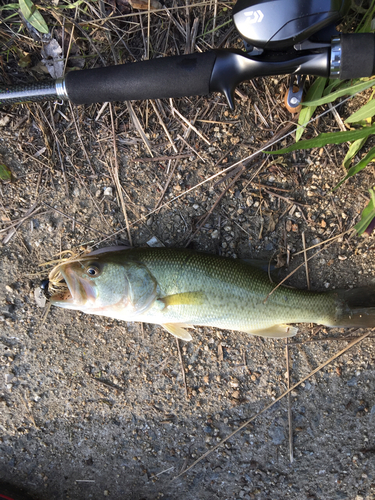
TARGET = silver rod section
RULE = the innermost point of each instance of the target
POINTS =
(335, 63)
(35, 92)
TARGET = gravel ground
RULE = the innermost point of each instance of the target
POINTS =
(97, 408)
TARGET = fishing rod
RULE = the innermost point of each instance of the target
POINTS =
(281, 37)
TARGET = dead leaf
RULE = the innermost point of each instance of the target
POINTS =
(24, 61)
(53, 59)
(4, 120)
(123, 6)
(143, 4)
(272, 221)
(280, 260)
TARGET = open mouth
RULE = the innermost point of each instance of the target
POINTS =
(71, 290)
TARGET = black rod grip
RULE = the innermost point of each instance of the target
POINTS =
(175, 76)
(357, 55)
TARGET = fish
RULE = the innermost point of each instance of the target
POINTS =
(180, 289)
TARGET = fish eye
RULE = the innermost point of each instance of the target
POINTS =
(93, 270)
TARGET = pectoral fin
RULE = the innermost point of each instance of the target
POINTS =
(178, 331)
(185, 298)
(276, 332)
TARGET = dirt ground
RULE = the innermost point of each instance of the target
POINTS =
(97, 408)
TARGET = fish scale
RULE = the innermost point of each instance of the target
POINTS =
(235, 293)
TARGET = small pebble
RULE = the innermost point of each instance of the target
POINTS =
(249, 201)
(108, 191)
(39, 297)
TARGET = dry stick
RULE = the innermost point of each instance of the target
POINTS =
(191, 126)
(77, 221)
(192, 122)
(305, 258)
(290, 422)
(138, 126)
(164, 127)
(166, 186)
(326, 241)
(83, 32)
(338, 118)
(148, 30)
(160, 158)
(190, 147)
(116, 176)
(326, 339)
(182, 367)
(288, 200)
(214, 23)
(277, 138)
(194, 33)
(214, 206)
(53, 128)
(18, 222)
(320, 367)
(80, 138)
(44, 317)
(303, 264)
(100, 22)
(13, 231)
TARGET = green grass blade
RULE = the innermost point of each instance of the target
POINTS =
(71, 5)
(349, 89)
(365, 24)
(10, 6)
(5, 173)
(353, 150)
(327, 138)
(367, 215)
(367, 111)
(33, 16)
(332, 85)
(314, 92)
(358, 167)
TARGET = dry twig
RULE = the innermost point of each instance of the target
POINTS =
(245, 424)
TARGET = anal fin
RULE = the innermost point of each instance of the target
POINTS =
(178, 330)
(276, 332)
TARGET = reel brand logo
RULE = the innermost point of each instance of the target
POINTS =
(254, 16)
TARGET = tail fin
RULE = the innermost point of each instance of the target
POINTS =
(356, 308)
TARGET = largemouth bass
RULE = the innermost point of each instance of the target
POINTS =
(180, 288)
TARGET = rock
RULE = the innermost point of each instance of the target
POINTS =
(352, 382)
(276, 433)
(39, 297)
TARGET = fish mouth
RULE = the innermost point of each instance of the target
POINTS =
(76, 293)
